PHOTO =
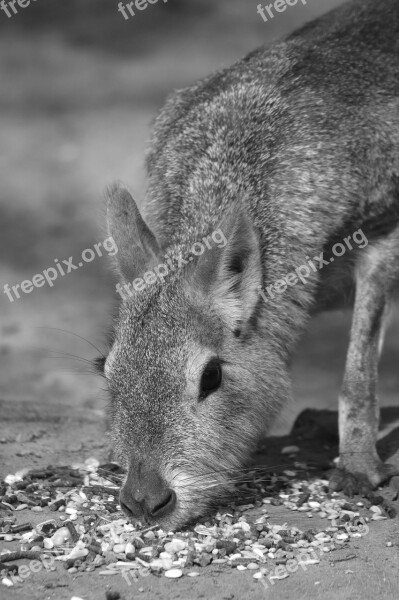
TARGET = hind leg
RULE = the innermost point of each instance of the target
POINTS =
(360, 467)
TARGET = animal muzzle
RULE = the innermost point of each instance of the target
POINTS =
(146, 494)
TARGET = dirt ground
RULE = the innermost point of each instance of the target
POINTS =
(364, 568)
(77, 98)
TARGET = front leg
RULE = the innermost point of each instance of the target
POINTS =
(360, 468)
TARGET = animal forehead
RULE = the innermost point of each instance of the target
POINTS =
(156, 346)
(153, 372)
(168, 317)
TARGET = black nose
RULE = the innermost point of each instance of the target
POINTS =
(147, 496)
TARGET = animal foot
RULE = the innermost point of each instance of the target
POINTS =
(359, 483)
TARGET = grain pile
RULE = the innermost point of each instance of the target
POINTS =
(88, 532)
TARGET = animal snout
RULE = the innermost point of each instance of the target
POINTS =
(147, 495)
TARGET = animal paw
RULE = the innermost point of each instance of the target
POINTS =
(350, 484)
(354, 483)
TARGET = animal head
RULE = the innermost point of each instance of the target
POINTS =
(192, 376)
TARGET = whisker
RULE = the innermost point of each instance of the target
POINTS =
(115, 478)
(62, 355)
(75, 335)
(229, 482)
(66, 356)
(252, 469)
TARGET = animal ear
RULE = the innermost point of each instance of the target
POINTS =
(137, 245)
(230, 276)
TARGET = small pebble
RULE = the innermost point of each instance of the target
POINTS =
(219, 561)
(173, 573)
(290, 450)
(70, 511)
(282, 576)
(310, 561)
(61, 536)
(376, 509)
(111, 595)
(130, 551)
(167, 564)
(175, 546)
(76, 553)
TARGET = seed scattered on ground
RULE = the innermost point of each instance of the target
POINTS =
(174, 573)
(88, 532)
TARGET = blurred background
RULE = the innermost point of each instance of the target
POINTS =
(79, 88)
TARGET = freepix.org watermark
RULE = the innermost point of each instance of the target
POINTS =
(10, 9)
(61, 268)
(312, 555)
(303, 272)
(162, 270)
(128, 10)
(269, 11)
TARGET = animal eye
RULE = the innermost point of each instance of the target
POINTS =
(211, 378)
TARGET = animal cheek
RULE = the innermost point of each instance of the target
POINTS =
(110, 362)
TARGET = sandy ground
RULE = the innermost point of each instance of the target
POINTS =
(364, 568)
(76, 106)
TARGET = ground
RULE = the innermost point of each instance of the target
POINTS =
(78, 96)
